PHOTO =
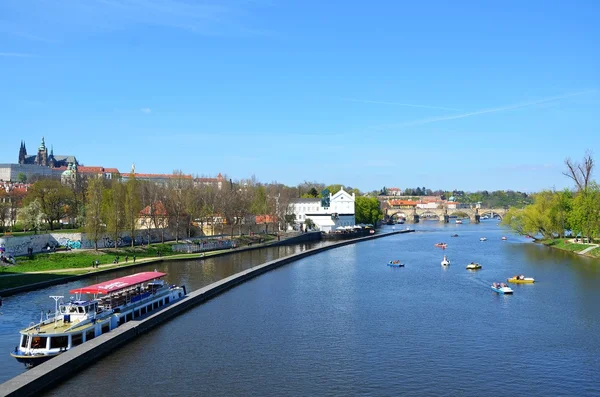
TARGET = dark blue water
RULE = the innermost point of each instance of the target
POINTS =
(344, 323)
(20, 310)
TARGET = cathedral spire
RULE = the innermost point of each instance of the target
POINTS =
(42, 145)
(51, 150)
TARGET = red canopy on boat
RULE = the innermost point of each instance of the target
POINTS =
(118, 283)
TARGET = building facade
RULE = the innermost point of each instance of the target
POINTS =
(327, 214)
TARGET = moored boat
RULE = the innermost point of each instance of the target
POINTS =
(77, 321)
(520, 279)
(501, 288)
(473, 266)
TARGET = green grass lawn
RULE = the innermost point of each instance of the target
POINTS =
(564, 244)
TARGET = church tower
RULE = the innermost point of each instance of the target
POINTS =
(42, 156)
(22, 153)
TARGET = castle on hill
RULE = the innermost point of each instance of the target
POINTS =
(44, 158)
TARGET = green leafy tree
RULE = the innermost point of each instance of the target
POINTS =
(54, 199)
(585, 215)
(367, 210)
(21, 177)
(113, 204)
(94, 225)
(133, 205)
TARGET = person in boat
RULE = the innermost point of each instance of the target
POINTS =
(521, 277)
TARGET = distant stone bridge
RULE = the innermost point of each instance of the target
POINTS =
(414, 215)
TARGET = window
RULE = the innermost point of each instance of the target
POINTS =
(89, 335)
(76, 339)
(106, 327)
(59, 342)
(24, 341)
(38, 342)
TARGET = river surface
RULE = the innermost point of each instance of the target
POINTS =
(18, 311)
(343, 323)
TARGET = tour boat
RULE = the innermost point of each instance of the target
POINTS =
(77, 321)
(445, 261)
(521, 280)
(501, 288)
(473, 266)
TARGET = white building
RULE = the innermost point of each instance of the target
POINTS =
(339, 213)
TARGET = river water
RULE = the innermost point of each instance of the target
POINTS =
(20, 310)
(343, 323)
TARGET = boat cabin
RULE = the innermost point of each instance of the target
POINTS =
(77, 310)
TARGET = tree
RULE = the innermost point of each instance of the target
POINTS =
(32, 216)
(21, 177)
(585, 215)
(310, 224)
(133, 205)
(53, 198)
(367, 210)
(175, 201)
(114, 210)
(94, 225)
(580, 173)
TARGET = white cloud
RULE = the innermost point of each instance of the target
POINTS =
(15, 54)
(489, 110)
(146, 110)
(398, 104)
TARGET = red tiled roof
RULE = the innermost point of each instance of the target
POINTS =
(93, 169)
(112, 170)
(162, 176)
(159, 209)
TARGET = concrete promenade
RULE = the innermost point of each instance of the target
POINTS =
(68, 364)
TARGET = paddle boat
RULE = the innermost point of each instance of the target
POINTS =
(395, 264)
(441, 245)
(504, 238)
(445, 261)
(501, 288)
(473, 266)
(482, 239)
(521, 279)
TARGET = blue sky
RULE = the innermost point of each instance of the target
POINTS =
(465, 95)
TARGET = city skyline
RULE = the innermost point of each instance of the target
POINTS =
(463, 96)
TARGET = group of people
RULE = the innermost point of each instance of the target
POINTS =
(519, 277)
(498, 285)
(396, 262)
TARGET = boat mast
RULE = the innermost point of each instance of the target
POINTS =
(56, 299)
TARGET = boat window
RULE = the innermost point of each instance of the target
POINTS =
(57, 342)
(76, 339)
(24, 341)
(63, 309)
(106, 327)
(72, 309)
(166, 300)
(81, 309)
(38, 342)
(90, 335)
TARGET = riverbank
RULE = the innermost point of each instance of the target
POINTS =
(570, 245)
(74, 265)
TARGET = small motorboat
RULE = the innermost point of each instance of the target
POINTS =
(458, 222)
(454, 235)
(520, 279)
(441, 245)
(473, 266)
(482, 239)
(501, 288)
(504, 238)
(445, 261)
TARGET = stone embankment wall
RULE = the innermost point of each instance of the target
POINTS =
(42, 377)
